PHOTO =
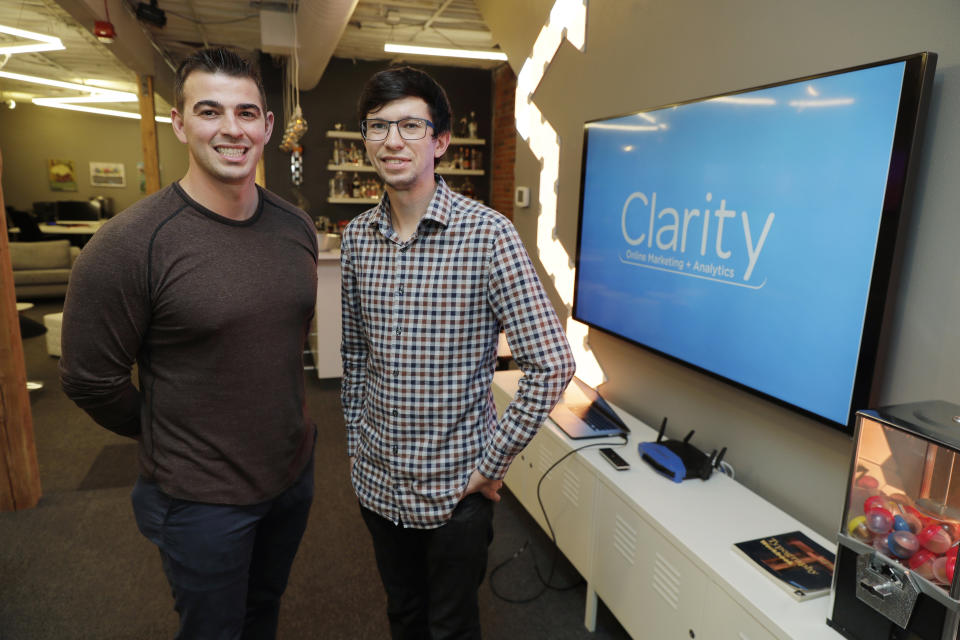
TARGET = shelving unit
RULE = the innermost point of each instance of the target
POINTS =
(365, 168)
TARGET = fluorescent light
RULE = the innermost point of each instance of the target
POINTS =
(46, 43)
(449, 53)
(71, 103)
(58, 83)
(52, 102)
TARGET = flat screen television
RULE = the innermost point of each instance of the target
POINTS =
(77, 211)
(751, 235)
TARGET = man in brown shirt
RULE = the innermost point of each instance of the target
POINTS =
(209, 287)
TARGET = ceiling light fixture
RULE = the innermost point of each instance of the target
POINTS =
(44, 42)
(95, 94)
(448, 53)
(52, 102)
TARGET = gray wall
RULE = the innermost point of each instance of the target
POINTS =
(648, 53)
(30, 135)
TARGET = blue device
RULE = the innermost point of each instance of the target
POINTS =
(678, 459)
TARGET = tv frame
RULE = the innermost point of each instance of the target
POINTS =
(917, 86)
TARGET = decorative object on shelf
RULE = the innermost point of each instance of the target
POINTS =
(296, 166)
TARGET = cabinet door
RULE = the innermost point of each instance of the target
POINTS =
(724, 619)
(567, 495)
(649, 585)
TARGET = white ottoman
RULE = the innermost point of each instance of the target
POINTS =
(52, 322)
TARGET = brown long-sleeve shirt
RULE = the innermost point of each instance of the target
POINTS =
(215, 313)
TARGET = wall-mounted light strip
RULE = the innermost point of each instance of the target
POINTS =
(43, 42)
(567, 21)
(447, 53)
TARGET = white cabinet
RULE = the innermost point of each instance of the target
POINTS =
(724, 619)
(652, 588)
(567, 493)
(659, 553)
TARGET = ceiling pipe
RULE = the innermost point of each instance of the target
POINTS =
(320, 25)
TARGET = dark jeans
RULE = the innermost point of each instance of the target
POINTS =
(227, 565)
(431, 576)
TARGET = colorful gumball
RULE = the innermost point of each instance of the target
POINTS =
(867, 482)
(932, 537)
(880, 544)
(902, 544)
(912, 521)
(875, 502)
(922, 563)
(900, 524)
(951, 528)
(951, 557)
(880, 520)
(857, 527)
(940, 570)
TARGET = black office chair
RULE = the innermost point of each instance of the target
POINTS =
(29, 229)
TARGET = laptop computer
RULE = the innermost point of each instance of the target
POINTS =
(583, 413)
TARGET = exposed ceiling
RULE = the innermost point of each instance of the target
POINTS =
(343, 28)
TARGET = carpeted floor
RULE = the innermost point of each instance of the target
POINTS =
(75, 566)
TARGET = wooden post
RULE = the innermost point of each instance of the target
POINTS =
(148, 133)
(19, 472)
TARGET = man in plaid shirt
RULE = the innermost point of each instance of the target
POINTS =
(429, 280)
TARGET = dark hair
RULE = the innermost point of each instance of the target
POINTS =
(403, 82)
(216, 60)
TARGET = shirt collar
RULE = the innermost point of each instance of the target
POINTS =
(438, 209)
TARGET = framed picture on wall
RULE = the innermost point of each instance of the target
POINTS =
(61, 176)
(107, 174)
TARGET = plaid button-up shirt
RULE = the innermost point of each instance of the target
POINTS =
(421, 319)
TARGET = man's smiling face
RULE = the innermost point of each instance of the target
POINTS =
(224, 126)
(405, 164)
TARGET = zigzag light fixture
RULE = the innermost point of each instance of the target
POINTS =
(567, 21)
(95, 95)
(41, 42)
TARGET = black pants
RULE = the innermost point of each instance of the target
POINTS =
(227, 565)
(431, 576)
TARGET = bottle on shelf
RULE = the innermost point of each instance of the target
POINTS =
(339, 185)
(472, 125)
(355, 193)
(466, 188)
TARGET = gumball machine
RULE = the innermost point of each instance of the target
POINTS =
(896, 574)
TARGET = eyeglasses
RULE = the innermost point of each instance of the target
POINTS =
(408, 128)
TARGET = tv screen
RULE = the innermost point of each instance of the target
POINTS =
(750, 235)
(77, 211)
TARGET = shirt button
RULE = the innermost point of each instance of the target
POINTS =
(395, 413)
(396, 374)
(396, 449)
(398, 332)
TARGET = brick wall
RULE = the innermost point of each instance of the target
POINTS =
(504, 140)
